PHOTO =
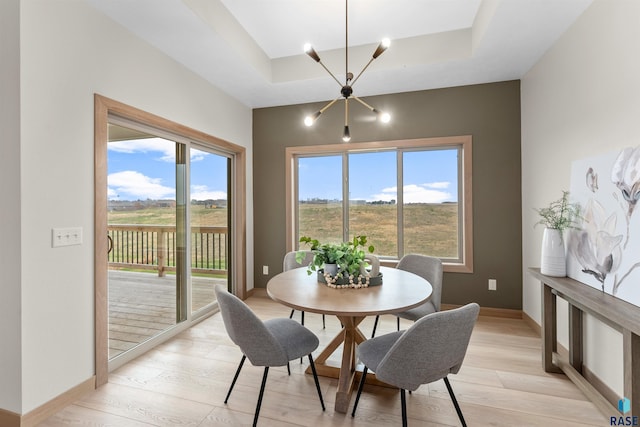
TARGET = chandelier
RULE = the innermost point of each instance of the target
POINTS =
(346, 89)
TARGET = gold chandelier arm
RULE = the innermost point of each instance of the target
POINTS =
(382, 116)
(365, 67)
(363, 103)
(346, 111)
(330, 73)
(384, 44)
(322, 110)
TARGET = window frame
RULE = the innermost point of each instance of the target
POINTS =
(463, 142)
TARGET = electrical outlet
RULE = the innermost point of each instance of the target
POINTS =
(66, 236)
(265, 270)
(493, 284)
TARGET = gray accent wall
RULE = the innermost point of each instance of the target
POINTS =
(490, 113)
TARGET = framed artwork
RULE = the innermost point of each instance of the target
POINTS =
(604, 252)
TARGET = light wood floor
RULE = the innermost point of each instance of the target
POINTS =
(184, 381)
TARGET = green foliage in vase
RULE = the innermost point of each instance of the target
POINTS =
(560, 214)
(348, 256)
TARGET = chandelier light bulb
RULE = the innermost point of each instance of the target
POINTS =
(385, 117)
(384, 44)
(346, 136)
(310, 120)
(309, 50)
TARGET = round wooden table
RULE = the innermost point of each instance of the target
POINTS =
(400, 291)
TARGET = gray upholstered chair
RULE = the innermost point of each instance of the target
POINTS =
(429, 268)
(273, 342)
(290, 263)
(432, 348)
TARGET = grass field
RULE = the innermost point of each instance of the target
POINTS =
(430, 229)
(200, 215)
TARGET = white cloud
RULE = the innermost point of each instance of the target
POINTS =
(202, 192)
(165, 147)
(417, 193)
(134, 185)
(441, 185)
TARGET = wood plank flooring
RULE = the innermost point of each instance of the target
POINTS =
(183, 382)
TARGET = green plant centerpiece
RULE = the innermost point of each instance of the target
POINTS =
(560, 214)
(350, 259)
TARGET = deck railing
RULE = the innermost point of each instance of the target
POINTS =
(153, 247)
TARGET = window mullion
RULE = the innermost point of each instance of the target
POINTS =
(345, 197)
(400, 204)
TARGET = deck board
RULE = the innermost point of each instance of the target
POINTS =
(142, 305)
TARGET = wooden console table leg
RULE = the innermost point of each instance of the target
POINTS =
(549, 340)
(575, 338)
(631, 344)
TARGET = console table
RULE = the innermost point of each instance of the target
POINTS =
(618, 314)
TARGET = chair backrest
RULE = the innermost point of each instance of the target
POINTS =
(427, 267)
(290, 262)
(433, 347)
(248, 332)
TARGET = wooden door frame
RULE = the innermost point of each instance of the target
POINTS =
(103, 109)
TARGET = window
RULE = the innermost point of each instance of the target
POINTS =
(411, 196)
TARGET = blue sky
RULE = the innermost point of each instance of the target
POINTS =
(429, 176)
(145, 169)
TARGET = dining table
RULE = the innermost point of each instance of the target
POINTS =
(400, 291)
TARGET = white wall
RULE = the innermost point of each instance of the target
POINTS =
(69, 52)
(581, 99)
(10, 364)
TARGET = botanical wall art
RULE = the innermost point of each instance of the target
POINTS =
(605, 251)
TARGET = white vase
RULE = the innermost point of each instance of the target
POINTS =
(553, 260)
(331, 269)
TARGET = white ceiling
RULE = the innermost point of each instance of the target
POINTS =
(252, 49)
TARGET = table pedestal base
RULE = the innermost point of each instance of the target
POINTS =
(348, 371)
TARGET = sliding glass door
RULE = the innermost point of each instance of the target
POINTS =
(209, 221)
(168, 225)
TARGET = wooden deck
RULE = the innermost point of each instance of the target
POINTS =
(142, 305)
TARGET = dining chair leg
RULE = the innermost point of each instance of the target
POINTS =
(264, 382)
(360, 387)
(302, 323)
(403, 401)
(323, 325)
(235, 377)
(315, 379)
(375, 325)
(291, 315)
(398, 323)
(288, 369)
(455, 401)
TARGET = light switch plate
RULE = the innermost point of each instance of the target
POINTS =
(66, 236)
